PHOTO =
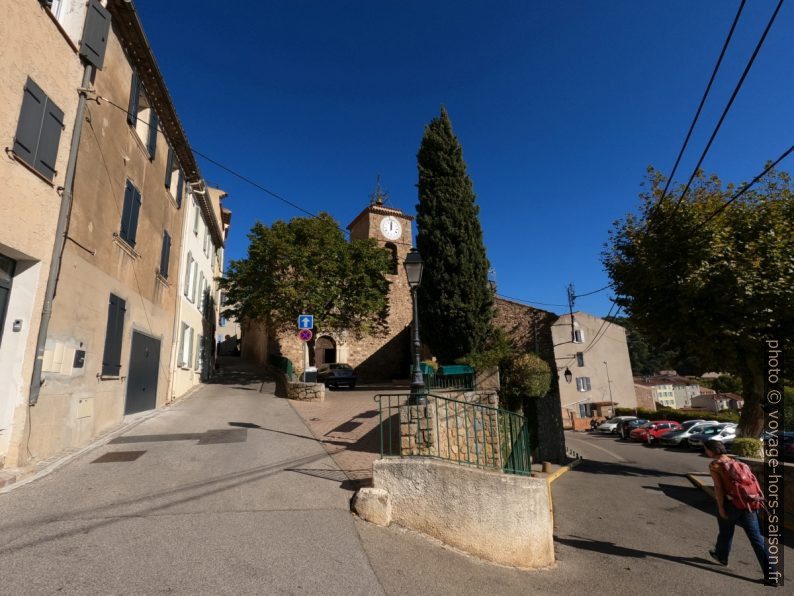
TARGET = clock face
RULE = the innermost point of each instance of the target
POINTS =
(390, 228)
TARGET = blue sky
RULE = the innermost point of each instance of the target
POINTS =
(560, 108)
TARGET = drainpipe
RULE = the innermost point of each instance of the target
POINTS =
(60, 238)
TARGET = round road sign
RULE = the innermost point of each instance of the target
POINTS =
(305, 334)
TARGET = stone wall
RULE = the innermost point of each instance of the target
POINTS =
(785, 488)
(305, 391)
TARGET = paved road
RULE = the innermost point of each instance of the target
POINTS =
(228, 492)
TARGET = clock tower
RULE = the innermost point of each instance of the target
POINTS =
(386, 357)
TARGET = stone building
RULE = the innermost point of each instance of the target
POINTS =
(40, 71)
(105, 353)
(375, 357)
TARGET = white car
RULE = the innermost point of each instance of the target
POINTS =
(719, 432)
(611, 425)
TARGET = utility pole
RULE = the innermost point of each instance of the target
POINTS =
(571, 299)
(609, 383)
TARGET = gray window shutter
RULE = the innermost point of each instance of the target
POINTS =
(169, 167)
(180, 184)
(95, 34)
(34, 102)
(152, 142)
(129, 198)
(165, 255)
(49, 139)
(135, 90)
(111, 357)
(136, 206)
(187, 273)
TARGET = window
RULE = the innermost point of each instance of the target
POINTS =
(583, 383)
(583, 413)
(205, 248)
(193, 282)
(196, 217)
(142, 117)
(222, 321)
(38, 131)
(579, 358)
(7, 267)
(111, 357)
(129, 216)
(578, 336)
(165, 254)
(185, 345)
(201, 293)
(188, 270)
(54, 6)
(391, 249)
(174, 179)
(199, 353)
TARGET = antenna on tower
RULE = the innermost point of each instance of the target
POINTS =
(379, 196)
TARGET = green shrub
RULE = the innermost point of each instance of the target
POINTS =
(432, 364)
(748, 447)
(525, 375)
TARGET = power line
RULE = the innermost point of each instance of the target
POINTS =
(527, 301)
(606, 287)
(597, 339)
(744, 189)
(728, 106)
(702, 102)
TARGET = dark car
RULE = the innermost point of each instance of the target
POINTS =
(336, 375)
(626, 426)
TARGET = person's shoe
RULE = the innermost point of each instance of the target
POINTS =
(713, 555)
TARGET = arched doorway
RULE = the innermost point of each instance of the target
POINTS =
(325, 350)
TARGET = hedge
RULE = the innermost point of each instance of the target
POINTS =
(678, 415)
(747, 447)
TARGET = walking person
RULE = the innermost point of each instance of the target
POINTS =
(739, 498)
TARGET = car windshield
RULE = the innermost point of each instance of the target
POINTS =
(342, 366)
(646, 425)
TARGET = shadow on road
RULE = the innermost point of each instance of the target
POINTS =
(621, 469)
(610, 548)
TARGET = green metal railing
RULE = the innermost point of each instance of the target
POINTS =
(463, 381)
(283, 364)
(452, 430)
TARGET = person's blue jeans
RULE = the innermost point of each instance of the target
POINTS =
(749, 521)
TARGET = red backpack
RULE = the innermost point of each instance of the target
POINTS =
(743, 487)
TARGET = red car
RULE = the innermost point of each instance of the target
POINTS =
(651, 431)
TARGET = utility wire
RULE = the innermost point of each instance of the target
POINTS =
(603, 325)
(527, 301)
(237, 174)
(728, 106)
(744, 189)
(606, 287)
(702, 102)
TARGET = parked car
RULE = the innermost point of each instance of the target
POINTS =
(610, 425)
(652, 430)
(334, 375)
(625, 427)
(681, 437)
(719, 432)
(785, 443)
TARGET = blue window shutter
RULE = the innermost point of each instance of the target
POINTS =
(129, 198)
(169, 167)
(95, 34)
(34, 102)
(165, 255)
(180, 184)
(49, 139)
(132, 109)
(111, 357)
(152, 142)
(136, 206)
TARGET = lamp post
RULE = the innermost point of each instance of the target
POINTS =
(413, 270)
(609, 384)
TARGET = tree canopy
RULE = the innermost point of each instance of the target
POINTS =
(455, 299)
(306, 266)
(715, 286)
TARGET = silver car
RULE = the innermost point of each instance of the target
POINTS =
(718, 432)
(681, 437)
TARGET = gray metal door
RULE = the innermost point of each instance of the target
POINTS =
(142, 380)
(6, 275)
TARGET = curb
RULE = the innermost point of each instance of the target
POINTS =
(559, 472)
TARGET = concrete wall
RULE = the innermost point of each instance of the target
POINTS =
(31, 45)
(498, 517)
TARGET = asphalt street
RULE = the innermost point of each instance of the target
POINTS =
(228, 492)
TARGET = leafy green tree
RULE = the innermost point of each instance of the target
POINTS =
(718, 287)
(727, 384)
(455, 298)
(306, 266)
(525, 375)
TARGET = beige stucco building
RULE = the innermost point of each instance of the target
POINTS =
(39, 66)
(106, 353)
(596, 354)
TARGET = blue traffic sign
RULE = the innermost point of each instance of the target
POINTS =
(305, 322)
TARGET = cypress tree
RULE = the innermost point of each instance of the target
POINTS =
(455, 299)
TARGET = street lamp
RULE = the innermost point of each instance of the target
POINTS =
(568, 375)
(413, 271)
(609, 383)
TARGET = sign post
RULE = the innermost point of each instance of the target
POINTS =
(305, 326)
